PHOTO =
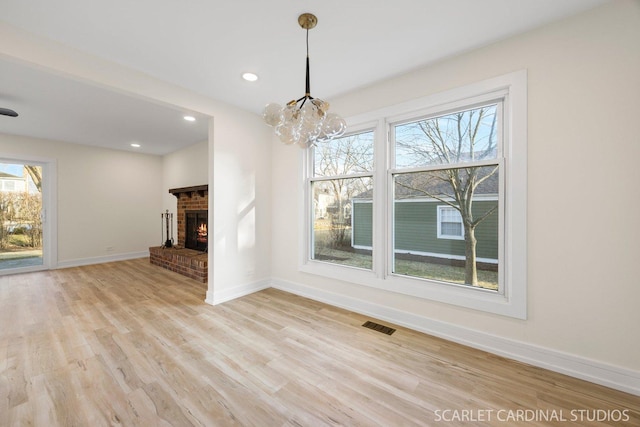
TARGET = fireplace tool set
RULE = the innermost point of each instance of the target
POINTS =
(166, 222)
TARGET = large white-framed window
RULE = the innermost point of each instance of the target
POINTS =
(341, 175)
(443, 216)
(452, 156)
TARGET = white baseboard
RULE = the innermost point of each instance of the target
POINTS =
(102, 259)
(575, 366)
(218, 297)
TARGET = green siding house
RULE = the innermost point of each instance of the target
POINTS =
(430, 227)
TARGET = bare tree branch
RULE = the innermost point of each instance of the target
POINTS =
(35, 172)
(485, 215)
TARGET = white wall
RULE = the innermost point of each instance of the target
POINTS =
(185, 168)
(242, 207)
(583, 204)
(106, 198)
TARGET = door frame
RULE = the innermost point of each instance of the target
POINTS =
(49, 211)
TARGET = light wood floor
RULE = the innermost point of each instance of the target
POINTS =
(132, 344)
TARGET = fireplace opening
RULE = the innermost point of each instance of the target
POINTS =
(196, 236)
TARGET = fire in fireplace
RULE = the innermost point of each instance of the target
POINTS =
(196, 236)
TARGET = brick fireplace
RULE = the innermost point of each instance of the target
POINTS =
(188, 255)
(190, 200)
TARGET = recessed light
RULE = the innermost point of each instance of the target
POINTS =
(190, 118)
(135, 145)
(250, 77)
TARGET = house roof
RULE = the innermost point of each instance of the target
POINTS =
(427, 184)
(8, 175)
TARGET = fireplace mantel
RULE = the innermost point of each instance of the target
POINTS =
(189, 191)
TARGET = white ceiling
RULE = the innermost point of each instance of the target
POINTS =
(56, 107)
(205, 46)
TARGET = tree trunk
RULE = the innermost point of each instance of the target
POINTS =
(36, 175)
(470, 269)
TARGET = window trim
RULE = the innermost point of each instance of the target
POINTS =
(512, 299)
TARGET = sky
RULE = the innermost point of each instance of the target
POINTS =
(13, 169)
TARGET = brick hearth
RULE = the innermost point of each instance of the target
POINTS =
(188, 262)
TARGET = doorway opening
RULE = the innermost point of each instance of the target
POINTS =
(23, 227)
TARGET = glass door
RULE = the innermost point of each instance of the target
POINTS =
(21, 217)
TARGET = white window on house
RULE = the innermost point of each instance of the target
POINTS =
(446, 218)
(449, 223)
(9, 185)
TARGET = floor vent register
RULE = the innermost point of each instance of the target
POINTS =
(378, 327)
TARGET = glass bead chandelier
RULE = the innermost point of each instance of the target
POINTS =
(305, 121)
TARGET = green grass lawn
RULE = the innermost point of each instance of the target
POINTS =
(19, 240)
(414, 268)
(17, 247)
(444, 273)
(422, 269)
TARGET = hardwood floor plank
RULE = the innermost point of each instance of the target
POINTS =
(132, 344)
(166, 407)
